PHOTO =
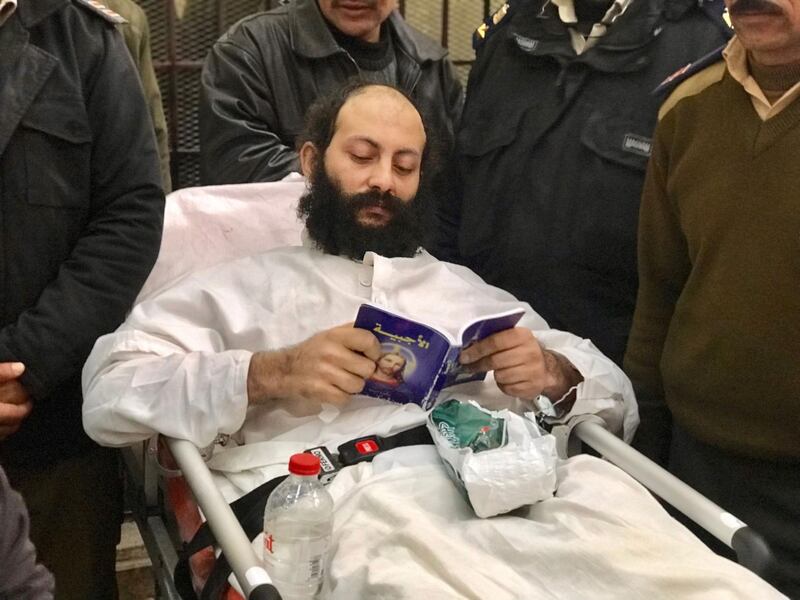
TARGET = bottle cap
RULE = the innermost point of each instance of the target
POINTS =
(304, 464)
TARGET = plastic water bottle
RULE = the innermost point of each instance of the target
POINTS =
(298, 522)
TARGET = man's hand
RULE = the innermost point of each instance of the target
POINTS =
(15, 404)
(328, 367)
(522, 368)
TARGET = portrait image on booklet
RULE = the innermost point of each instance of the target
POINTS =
(417, 360)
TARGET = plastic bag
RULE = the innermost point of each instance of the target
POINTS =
(501, 459)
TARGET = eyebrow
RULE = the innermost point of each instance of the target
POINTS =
(376, 145)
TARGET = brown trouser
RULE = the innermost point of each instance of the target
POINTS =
(75, 507)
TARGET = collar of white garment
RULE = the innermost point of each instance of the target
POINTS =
(566, 12)
(7, 8)
(369, 257)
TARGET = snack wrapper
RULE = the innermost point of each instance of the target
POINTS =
(500, 459)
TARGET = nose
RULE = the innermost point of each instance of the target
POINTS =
(381, 177)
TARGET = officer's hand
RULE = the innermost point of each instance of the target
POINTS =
(522, 368)
(328, 367)
(15, 404)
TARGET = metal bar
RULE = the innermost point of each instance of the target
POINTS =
(718, 522)
(229, 535)
(751, 549)
(487, 6)
(172, 101)
(445, 22)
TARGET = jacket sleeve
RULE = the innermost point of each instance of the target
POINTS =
(21, 577)
(97, 283)
(238, 120)
(663, 269)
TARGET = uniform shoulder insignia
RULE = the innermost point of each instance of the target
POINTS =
(490, 23)
(101, 9)
(671, 82)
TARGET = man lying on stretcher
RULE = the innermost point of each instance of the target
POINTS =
(262, 348)
(269, 337)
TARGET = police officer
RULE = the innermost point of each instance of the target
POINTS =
(81, 209)
(552, 150)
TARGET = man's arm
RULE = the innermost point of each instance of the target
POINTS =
(663, 268)
(237, 121)
(108, 264)
(328, 367)
(140, 382)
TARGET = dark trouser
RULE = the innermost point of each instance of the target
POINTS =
(75, 507)
(764, 494)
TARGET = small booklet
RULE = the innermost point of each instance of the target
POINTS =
(417, 360)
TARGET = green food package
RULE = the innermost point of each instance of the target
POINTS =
(465, 425)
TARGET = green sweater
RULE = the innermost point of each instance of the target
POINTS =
(716, 331)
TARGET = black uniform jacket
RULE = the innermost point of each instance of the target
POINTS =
(81, 207)
(260, 78)
(552, 154)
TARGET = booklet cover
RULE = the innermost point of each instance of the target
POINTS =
(418, 360)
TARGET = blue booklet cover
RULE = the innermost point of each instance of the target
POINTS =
(417, 360)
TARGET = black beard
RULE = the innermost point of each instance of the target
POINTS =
(332, 220)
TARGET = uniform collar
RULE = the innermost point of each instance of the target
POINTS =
(310, 36)
(538, 30)
(32, 12)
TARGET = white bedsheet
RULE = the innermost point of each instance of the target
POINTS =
(403, 531)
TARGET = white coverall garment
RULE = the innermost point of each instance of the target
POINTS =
(178, 365)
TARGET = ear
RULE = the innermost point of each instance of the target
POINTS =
(308, 158)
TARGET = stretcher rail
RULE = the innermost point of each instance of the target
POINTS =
(751, 550)
(247, 568)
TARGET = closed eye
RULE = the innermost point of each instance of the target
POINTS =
(359, 158)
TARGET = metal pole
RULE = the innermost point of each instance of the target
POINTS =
(247, 567)
(751, 550)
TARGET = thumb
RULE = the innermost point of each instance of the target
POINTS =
(11, 370)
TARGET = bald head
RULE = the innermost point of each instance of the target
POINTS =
(377, 143)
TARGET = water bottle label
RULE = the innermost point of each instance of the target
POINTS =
(295, 560)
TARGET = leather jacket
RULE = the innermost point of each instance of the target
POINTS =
(263, 74)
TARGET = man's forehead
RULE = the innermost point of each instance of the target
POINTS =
(381, 117)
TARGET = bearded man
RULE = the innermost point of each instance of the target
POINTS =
(261, 345)
(715, 344)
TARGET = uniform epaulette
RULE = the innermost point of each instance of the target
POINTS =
(102, 10)
(694, 85)
(490, 23)
(682, 74)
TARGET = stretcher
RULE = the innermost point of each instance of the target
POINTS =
(174, 487)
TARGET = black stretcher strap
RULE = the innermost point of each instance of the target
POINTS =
(249, 510)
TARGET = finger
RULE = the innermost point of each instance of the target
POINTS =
(323, 392)
(347, 382)
(11, 370)
(12, 392)
(497, 342)
(6, 431)
(514, 375)
(13, 414)
(507, 359)
(360, 340)
(521, 390)
(358, 365)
